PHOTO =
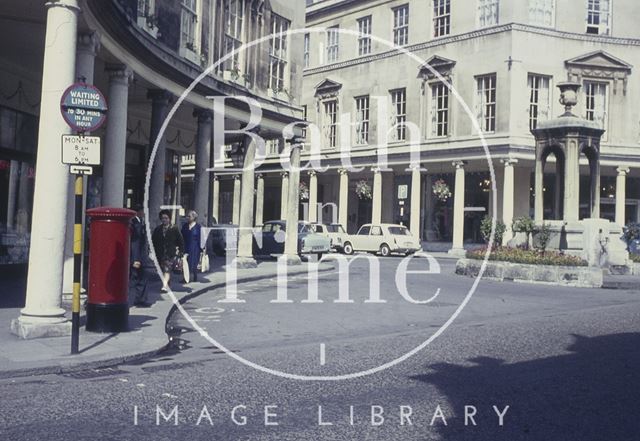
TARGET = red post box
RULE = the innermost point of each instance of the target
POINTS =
(109, 240)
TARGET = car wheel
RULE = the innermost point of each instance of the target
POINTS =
(410, 253)
(348, 249)
(385, 250)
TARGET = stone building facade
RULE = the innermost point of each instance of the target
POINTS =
(503, 60)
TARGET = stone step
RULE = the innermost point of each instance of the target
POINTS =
(621, 282)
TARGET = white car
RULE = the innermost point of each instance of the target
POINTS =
(335, 232)
(384, 239)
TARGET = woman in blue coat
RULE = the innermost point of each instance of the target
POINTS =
(191, 231)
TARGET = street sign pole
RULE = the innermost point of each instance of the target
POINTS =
(77, 264)
(84, 108)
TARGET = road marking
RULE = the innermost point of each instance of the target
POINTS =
(209, 310)
(322, 354)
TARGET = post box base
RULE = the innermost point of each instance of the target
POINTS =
(107, 318)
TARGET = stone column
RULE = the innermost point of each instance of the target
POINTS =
(539, 192)
(416, 197)
(215, 198)
(235, 216)
(203, 161)
(291, 240)
(13, 194)
(42, 315)
(259, 199)
(621, 195)
(245, 240)
(559, 185)
(116, 137)
(376, 212)
(572, 182)
(284, 195)
(594, 167)
(428, 209)
(508, 198)
(458, 210)
(343, 200)
(160, 100)
(313, 196)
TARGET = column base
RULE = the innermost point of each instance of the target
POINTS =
(245, 262)
(27, 328)
(457, 252)
(292, 259)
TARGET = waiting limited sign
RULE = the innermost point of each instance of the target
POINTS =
(83, 107)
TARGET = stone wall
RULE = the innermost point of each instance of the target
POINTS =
(584, 277)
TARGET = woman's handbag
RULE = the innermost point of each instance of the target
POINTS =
(204, 262)
(177, 265)
(185, 269)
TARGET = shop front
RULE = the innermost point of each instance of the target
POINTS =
(18, 142)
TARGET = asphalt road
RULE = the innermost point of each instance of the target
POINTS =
(564, 360)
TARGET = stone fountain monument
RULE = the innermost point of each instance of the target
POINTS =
(569, 138)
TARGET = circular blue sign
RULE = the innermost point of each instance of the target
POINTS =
(83, 107)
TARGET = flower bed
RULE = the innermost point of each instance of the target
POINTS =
(530, 257)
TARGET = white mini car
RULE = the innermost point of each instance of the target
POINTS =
(384, 239)
(335, 232)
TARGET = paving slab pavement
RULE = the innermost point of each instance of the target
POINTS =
(147, 335)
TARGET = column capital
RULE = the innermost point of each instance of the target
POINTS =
(509, 162)
(259, 175)
(203, 115)
(343, 171)
(417, 167)
(160, 96)
(297, 142)
(622, 171)
(68, 4)
(459, 164)
(236, 177)
(89, 42)
(216, 177)
(376, 170)
(284, 174)
(312, 173)
(119, 72)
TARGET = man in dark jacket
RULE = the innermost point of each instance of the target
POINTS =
(138, 278)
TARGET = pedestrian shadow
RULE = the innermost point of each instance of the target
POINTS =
(137, 321)
(587, 394)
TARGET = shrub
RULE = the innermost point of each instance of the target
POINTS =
(531, 257)
(631, 232)
(635, 258)
(485, 230)
(524, 225)
(542, 237)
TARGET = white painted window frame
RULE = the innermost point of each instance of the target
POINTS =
(401, 25)
(488, 13)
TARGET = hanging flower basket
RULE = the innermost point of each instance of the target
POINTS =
(304, 192)
(441, 190)
(363, 190)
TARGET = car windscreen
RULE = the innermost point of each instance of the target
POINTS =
(335, 229)
(398, 231)
(304, 229)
